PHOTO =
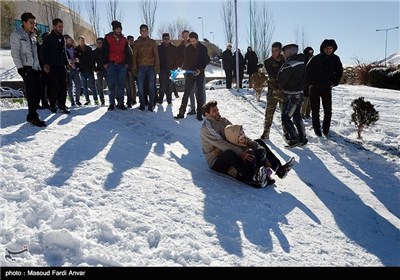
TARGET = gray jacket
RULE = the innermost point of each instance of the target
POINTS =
(24, 49)
(213, 140)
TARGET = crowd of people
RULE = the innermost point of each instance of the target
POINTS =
(296, 81)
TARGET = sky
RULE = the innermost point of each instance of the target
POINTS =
(352, 24)
(132, 188)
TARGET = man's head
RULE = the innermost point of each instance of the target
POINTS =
(58, 26)
(131, 40)
(81, 40)
(99, 42)
(229, 46)
(166, 39)
(328, 46)
(116, 27)
(144, 31)
(276, 50)
(290, 50)
(249, 49)
(193, 38)
(210, 109)
(185, 34)
(28, 22)
(70, 42)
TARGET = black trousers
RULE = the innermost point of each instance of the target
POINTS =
(32, 88)
(324, 94)
(270, 156)
(58, 87)
(165, 86)
(228, 75)
(44, 77)
(190, 81)
(227, 159)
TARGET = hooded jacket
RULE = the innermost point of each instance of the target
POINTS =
(232, 133)
(323, 70)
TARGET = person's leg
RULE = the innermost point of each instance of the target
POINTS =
(128, 90)
(228, 75)
(298, 121)
(151, 79)
(99, 85)
(315, 106)
(112, 84)
(274, 162)
(92, 86)
(85, 77)
(141, 77)
(200, 95)
(163, 79)
(269, 113)
(227, 159)
(326, 97)
(189, 84)
(289, 107)
(32, 93)
(121, 74)
(61, 88)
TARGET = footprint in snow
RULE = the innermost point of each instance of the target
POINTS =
(153, 238)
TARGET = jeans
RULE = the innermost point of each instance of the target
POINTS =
(73, 76)
(143, 73)
(88, 82)
(101, 75)
(116, 82)
(291, 109)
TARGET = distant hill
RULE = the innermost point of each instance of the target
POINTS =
(391, 59)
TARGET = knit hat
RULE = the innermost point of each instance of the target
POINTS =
(116, 24)
(290, 46)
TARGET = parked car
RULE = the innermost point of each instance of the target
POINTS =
(7, 92)
(216, 84)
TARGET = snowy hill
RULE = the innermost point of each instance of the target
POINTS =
(131, 188)
(391, 59)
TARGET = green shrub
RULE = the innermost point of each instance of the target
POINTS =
(364, 114)
(377, 77)
(392, 80)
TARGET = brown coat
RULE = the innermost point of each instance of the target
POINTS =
(145, 53)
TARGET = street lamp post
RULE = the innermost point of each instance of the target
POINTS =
(202, 27)
(386, 30)
(212, 35)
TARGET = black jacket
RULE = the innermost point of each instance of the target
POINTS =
(98, 60)
(291, 76)
(272, 66)
(86, 59)
(52, 51)
(196, 58)
(227, 60)
(324, 70)
(167, 56)
(242, 65)
(251, 61)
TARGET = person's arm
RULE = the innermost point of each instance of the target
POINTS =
(284, 75)
(338, 71)
(157, 58)
(105, 51)
(15, 43)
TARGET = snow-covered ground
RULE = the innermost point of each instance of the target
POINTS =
(131, 188)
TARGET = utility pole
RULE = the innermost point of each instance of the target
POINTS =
(386, 30)
(202, 27)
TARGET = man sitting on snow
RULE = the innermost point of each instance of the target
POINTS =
(225, 157)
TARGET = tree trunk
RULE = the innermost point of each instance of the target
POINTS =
(359, 130)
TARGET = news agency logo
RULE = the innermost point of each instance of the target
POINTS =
(9, 256)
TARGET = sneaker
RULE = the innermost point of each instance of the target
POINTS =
(141, 108)
(65, 111)
(150, 109)
(262, 176)
(96, 102)
(303, 142)
(199, 117)
(111, 107)
(264, 136)
(192, 112)
(87, 103)
(325, 131)
(179, 116)
(284, 169)
(79, 103)
(318, 132)
(292, 143)
(37, 123)
(53, 109)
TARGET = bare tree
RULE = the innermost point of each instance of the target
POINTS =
(174, 28)
(74, 8)
(93, 13)
(261, 35)
(301, 38)
(148, 10)
(8, 15)
(227, 16)
(48, 10)
(113, 12)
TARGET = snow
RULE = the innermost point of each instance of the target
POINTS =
(393, 59)
(131, 188)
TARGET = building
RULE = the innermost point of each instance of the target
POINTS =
(45, 11)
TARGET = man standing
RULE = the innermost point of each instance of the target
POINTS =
(228, 63)
(85, 56)
(166, 51)
(130, 78)
(146, 64)
(306, 107)
(25, 56)
(291, 78)
(73, 74)
(55, 60)
(251, 60)
(274, 95)
(324, 72)
(196, 59)
(99, 69)
(116, 60)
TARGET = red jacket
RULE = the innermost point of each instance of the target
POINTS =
(115, 50)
